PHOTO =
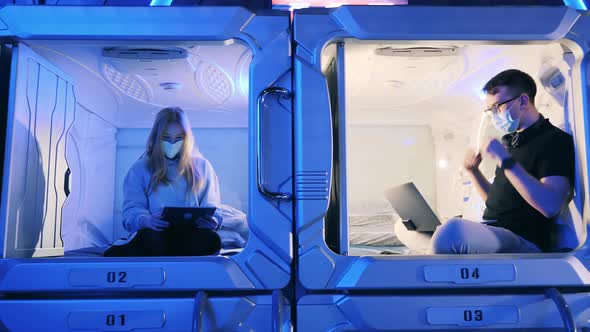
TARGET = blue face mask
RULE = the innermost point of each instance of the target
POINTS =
(504, 122)
(171, 150)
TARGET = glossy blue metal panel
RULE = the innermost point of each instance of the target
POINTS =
(270, 67)
(265, 263)
(82, 3)
(313, 30)
(430, 23)
(427, 313)
(117, 23)
(579, 35)
(84, 274)
(435, 23)
(251, 313)
(7, 144)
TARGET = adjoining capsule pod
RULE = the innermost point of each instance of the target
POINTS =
(445, 312)
(441, 146)
(202, 313)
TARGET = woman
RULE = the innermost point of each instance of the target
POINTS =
(172, 173)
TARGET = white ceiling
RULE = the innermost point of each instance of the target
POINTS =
(437, 96)
(440, 91)
(211, 83)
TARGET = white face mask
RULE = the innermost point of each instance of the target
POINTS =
(171, 150)
(504, 121)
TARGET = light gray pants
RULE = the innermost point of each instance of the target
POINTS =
(461, 236)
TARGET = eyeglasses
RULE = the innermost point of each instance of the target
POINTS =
(495, 109)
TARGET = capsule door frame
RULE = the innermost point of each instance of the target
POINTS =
(321, 268)
(265, 263)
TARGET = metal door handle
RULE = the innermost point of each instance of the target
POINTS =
(260, 101)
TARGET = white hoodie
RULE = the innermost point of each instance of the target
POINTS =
(139, 201)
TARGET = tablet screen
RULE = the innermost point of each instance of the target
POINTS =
(181, 215)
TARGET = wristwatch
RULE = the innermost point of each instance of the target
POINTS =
(507, 163)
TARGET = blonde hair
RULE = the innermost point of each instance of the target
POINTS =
(156, 161)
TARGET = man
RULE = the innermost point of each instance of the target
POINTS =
(533, 182)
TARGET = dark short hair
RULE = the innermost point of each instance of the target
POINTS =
(517, 82)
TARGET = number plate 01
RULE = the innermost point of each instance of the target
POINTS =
(116, 320)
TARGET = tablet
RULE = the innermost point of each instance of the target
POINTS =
(184, 215)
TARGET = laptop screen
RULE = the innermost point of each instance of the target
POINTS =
(410, 205)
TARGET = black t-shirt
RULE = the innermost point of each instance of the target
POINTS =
(542, 150)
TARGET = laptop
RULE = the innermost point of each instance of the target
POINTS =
(411, 206)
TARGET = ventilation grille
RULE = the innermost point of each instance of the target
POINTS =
(145, 53)
(131, 85)
(311, 185)
(417, 51)
(215, 83)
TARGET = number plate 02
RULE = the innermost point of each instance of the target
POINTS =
(116, 277)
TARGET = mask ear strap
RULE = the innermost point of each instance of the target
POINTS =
(520, 100)
(568, 115)
(482, 121)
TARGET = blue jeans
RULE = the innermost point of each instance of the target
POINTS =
(460, 236)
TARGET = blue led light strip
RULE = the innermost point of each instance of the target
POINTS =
(576, 4)
(161, 3)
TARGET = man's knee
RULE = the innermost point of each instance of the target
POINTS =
(448, 237)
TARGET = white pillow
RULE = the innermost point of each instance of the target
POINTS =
(234, 227)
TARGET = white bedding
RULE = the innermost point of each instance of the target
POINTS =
(373, 230)
(357, 250)
(233, 233)
(234, 227)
